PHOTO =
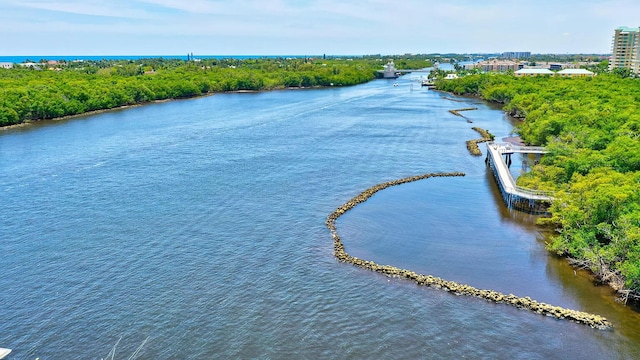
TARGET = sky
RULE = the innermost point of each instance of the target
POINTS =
(310, 27)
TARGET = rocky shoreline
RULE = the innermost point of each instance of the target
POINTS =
(595, 321)
(472, 145)
(456, 112)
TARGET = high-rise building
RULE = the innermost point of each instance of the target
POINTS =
(516, 55)
(625, 52)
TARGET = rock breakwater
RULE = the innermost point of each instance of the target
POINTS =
(592, 320)
(472, 145)
(456, 112)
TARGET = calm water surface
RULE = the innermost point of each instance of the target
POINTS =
(200, 224)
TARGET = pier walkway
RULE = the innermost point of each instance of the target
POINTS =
(507, 148)
(515, 196)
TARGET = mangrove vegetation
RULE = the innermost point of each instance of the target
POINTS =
(47, 90)
(591, 128)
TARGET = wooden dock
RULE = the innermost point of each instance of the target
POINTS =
(516, 197)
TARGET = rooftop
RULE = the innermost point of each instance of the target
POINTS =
(628, 29)
(575, 71)
(534, 71)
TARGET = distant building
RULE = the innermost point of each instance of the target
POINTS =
(469, 66)
(575, 73)
(625, 50)
(547, 72)
(30, 65)
(495, 65)
(533, 72)
(516, 55)
(6, 65)
(546, 65)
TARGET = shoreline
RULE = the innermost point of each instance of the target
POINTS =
(124, 107)
(611, 280)
(88, 113)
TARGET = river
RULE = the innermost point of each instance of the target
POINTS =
(199, 224)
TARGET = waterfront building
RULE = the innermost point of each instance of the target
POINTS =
(625, 50)
(495, 65)
(6, 65)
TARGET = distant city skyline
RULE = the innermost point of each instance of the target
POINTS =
(290, 27)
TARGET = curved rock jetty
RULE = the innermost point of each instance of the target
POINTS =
(472, 145)
(595, 321)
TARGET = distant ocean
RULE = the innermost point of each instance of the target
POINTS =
(37, 58)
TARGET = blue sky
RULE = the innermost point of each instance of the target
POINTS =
(299, 27)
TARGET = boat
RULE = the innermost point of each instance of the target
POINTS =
(428, 83)
(4, 352)
(395, 84)
(389, 71)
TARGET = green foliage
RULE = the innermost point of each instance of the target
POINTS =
(8, 116)
(78, 87)
(623, 72)
(591, 128)
(600, 218)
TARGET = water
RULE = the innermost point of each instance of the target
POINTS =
(200, 224)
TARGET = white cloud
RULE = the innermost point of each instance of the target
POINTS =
(93, 8)
(189, 6)
(290, 26)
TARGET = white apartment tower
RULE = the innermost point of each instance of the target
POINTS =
(625, 52)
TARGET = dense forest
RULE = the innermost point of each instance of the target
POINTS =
(46, 91)
(591, 128)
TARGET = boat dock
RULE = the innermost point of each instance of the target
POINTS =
(516, 197)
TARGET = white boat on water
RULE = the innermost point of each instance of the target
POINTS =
(4, 352)
(428, 83)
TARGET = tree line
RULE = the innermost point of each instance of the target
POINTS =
(70, 88)
(591, 128)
